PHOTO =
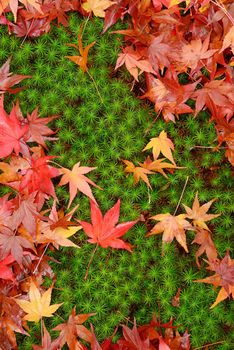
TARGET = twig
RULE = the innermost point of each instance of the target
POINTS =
(211, 147)
(96, 87)
(204, 346)
(47, 245)
(149, 196)
(181, 196)
(155, 119)
(90, 260)
(27, 32)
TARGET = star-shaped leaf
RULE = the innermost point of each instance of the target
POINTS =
(199, 213)
(172, 227)
(138, 173)
(78, 181)
(161, 144)
(103, 230)
(39, 304)
(98, 7)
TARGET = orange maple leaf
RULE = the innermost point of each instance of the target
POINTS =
(172, 227)
(78, 181)
(83, 58)
(203, 238)
(138, 173)
(161, 144)
(98, 7)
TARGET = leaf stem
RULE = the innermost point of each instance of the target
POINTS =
(90, 260)
(181, 196)
(47, 245)
(96, 87)
(211, 344)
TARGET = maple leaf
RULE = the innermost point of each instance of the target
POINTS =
(219, 91)
(38, 131)
(11, 132)
(103, 230)
(10, 243)
(134, 62)
(157, 165)
(5, 271)
(53, 230)
(199, 213)
(172, 227)
(83, 58)
(73, 329)
(47, 344)
(10, 322)
(39, 304)
(7, 80)
(29, 28)
(26, 213)
(223, 277)
(98, 7)
(38, 176)
(8, 173)
(78, 181)
(138, 173)
(161, 144)
(229, 40)
(193, 54)
(6, 209)
(134, 340)
(13, 4)
(203, 238)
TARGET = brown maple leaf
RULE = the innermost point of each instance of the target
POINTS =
(223, 277)
(199, 213)
(172, 227)
(138, 172)
(83, 58)
(203, 238)
(73, 329)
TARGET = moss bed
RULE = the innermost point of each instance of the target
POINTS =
(121, 285)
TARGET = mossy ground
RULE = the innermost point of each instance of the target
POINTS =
(122, 285)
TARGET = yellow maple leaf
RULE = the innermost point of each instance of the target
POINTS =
(161, 144)
(39, 304)
(98, 7)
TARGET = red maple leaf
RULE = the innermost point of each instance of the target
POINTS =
(5, 271)
(7, 80)
(38, 176)
(103, 231)
(11, 132)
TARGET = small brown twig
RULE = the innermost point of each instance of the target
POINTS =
(181, 196)
(211, 344)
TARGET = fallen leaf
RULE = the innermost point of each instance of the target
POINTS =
(161, 144)
(172, 227)
(138, 173)
(39, 304)
(103, 230)
(199, 213)
(78, 181)
(223, 277)
(83, 58)
(203, 238)
(47, 344)
(7, 80)
(73, 329)
(98, 7)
